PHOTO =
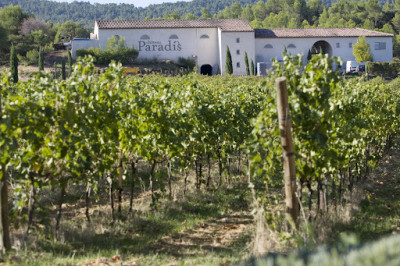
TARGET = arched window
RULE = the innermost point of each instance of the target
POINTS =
(291, 46)
(145, 37)
(204, 36)
(173, 37)
(268, 46)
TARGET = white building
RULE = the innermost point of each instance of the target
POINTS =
(206, 41)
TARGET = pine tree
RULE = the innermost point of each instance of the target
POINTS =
(14, 64)
(228, 63)
(252, 68)
(246, 61)
(69, 62)
(41, 61)
(63, 74)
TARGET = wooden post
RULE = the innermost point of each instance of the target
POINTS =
(289, 166)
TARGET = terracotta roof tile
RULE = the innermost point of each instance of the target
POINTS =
(318, 32)
(233, 25)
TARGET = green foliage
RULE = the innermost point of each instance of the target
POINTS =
(228, 62)
(31, 58)
(246, 62)
(3, 38)
(252, 68)
(115, 51)
(63, 74)
(188, 63)
(69, 62)
(70, 30)
(362, 50)
(14, 64)
(41, 60)
(383, 69)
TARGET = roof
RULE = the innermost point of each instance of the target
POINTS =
(232, 25)
(318, 32)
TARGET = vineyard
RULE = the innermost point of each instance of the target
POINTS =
(107, 139)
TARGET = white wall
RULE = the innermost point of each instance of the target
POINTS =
(82, 44)
(344, 51)
(246, 44)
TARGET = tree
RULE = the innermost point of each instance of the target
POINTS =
(205, 14)
(246, 62)
(247, 13)
(32, 24)
(63, 74)
(396, 22)
(228, 63)
(11, 18)
(259, 11)
(70, 30)
(14, 64)
(3, 38)
(190, 16)
(69, 62)
(374, 10)
(236, 10)
(362, 50)
(41, 60)
(252, 68)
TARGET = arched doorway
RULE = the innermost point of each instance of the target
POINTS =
(323, 46)
(206, 70)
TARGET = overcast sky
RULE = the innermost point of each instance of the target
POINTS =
(139, 3)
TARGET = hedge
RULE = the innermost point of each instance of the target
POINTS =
(383, 69)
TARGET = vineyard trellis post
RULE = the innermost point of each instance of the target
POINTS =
(289, 166)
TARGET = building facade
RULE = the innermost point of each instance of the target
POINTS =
(206, 41)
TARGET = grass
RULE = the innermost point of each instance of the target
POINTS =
(145, 235)
(207, 227)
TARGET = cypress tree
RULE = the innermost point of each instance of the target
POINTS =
(252, 68)
(246, 61)
(63, 75)
(309, 56)
(41, 61)
(228, 63)
(69, 62)
(14, 64)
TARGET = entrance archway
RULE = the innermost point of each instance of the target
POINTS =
(323, 46)
(206, 70)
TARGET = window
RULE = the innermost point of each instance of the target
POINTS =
(338, 45)
(291, 46)
(237, 52)
(238, 64)
(145, 37)
(173, 37)
(237, 40)
(268, 46)
(204, 36)
(380, 46)
(350, 45)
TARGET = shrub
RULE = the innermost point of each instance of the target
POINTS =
(31, 58)
(384, 69)
(188, 63)
(116, 50)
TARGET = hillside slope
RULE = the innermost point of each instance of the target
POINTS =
(86, 13)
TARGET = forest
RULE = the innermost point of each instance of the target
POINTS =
(74, 19)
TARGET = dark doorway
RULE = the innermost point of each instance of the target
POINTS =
(206, 70)
(323, 46)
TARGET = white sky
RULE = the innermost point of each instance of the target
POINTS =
(138, 3)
